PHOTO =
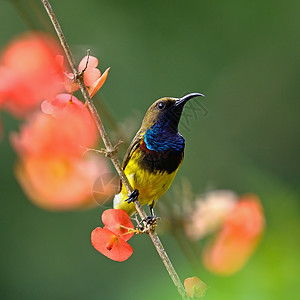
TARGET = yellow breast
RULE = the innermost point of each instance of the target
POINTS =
(151, 186)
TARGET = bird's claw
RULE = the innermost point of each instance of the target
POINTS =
(149, 224)
(133, 196)
(150, 220)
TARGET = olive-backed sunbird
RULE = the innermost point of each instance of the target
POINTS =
(154, 155)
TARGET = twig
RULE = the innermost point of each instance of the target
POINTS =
(110, 149)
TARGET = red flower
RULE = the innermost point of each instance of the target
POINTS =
(65, 128)
(117, 221)
(62, 183)
(110, 244)
(237, 239)
(29, 72)
(111, 239)
(52, 169)
(32, 69)
(92, 76)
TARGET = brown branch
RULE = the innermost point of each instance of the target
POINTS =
(110, 149)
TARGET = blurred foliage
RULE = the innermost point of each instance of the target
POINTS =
(244, 56)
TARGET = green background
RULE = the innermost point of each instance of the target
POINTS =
(245, 57)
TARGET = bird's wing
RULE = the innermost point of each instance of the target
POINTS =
(132, 147)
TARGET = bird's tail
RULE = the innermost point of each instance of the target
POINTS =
(117, 200)
(120, 203)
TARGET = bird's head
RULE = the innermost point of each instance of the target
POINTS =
(166, 112)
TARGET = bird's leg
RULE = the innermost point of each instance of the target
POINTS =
(152, 215)
(133, 196)
(150, 221)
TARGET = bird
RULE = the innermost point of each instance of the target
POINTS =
(154, 155)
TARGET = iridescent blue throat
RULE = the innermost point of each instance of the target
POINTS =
(161, 138)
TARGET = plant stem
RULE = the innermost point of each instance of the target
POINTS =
(111, 150)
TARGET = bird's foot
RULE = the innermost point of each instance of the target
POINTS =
(149, 223)
(133, 196)
(150, 220)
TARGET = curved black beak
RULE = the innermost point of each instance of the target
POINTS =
(174, 113)
(186, 98)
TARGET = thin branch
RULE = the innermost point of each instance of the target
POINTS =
(109, 148)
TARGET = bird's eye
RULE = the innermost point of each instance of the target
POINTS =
(161, 105)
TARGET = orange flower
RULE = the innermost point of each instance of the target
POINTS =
(29, 72)
(111, 239)
(92, 76)
(110, 244)
(61, 182)
(66, 130)
(237, 239)
(52, 169)
(117, 221)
